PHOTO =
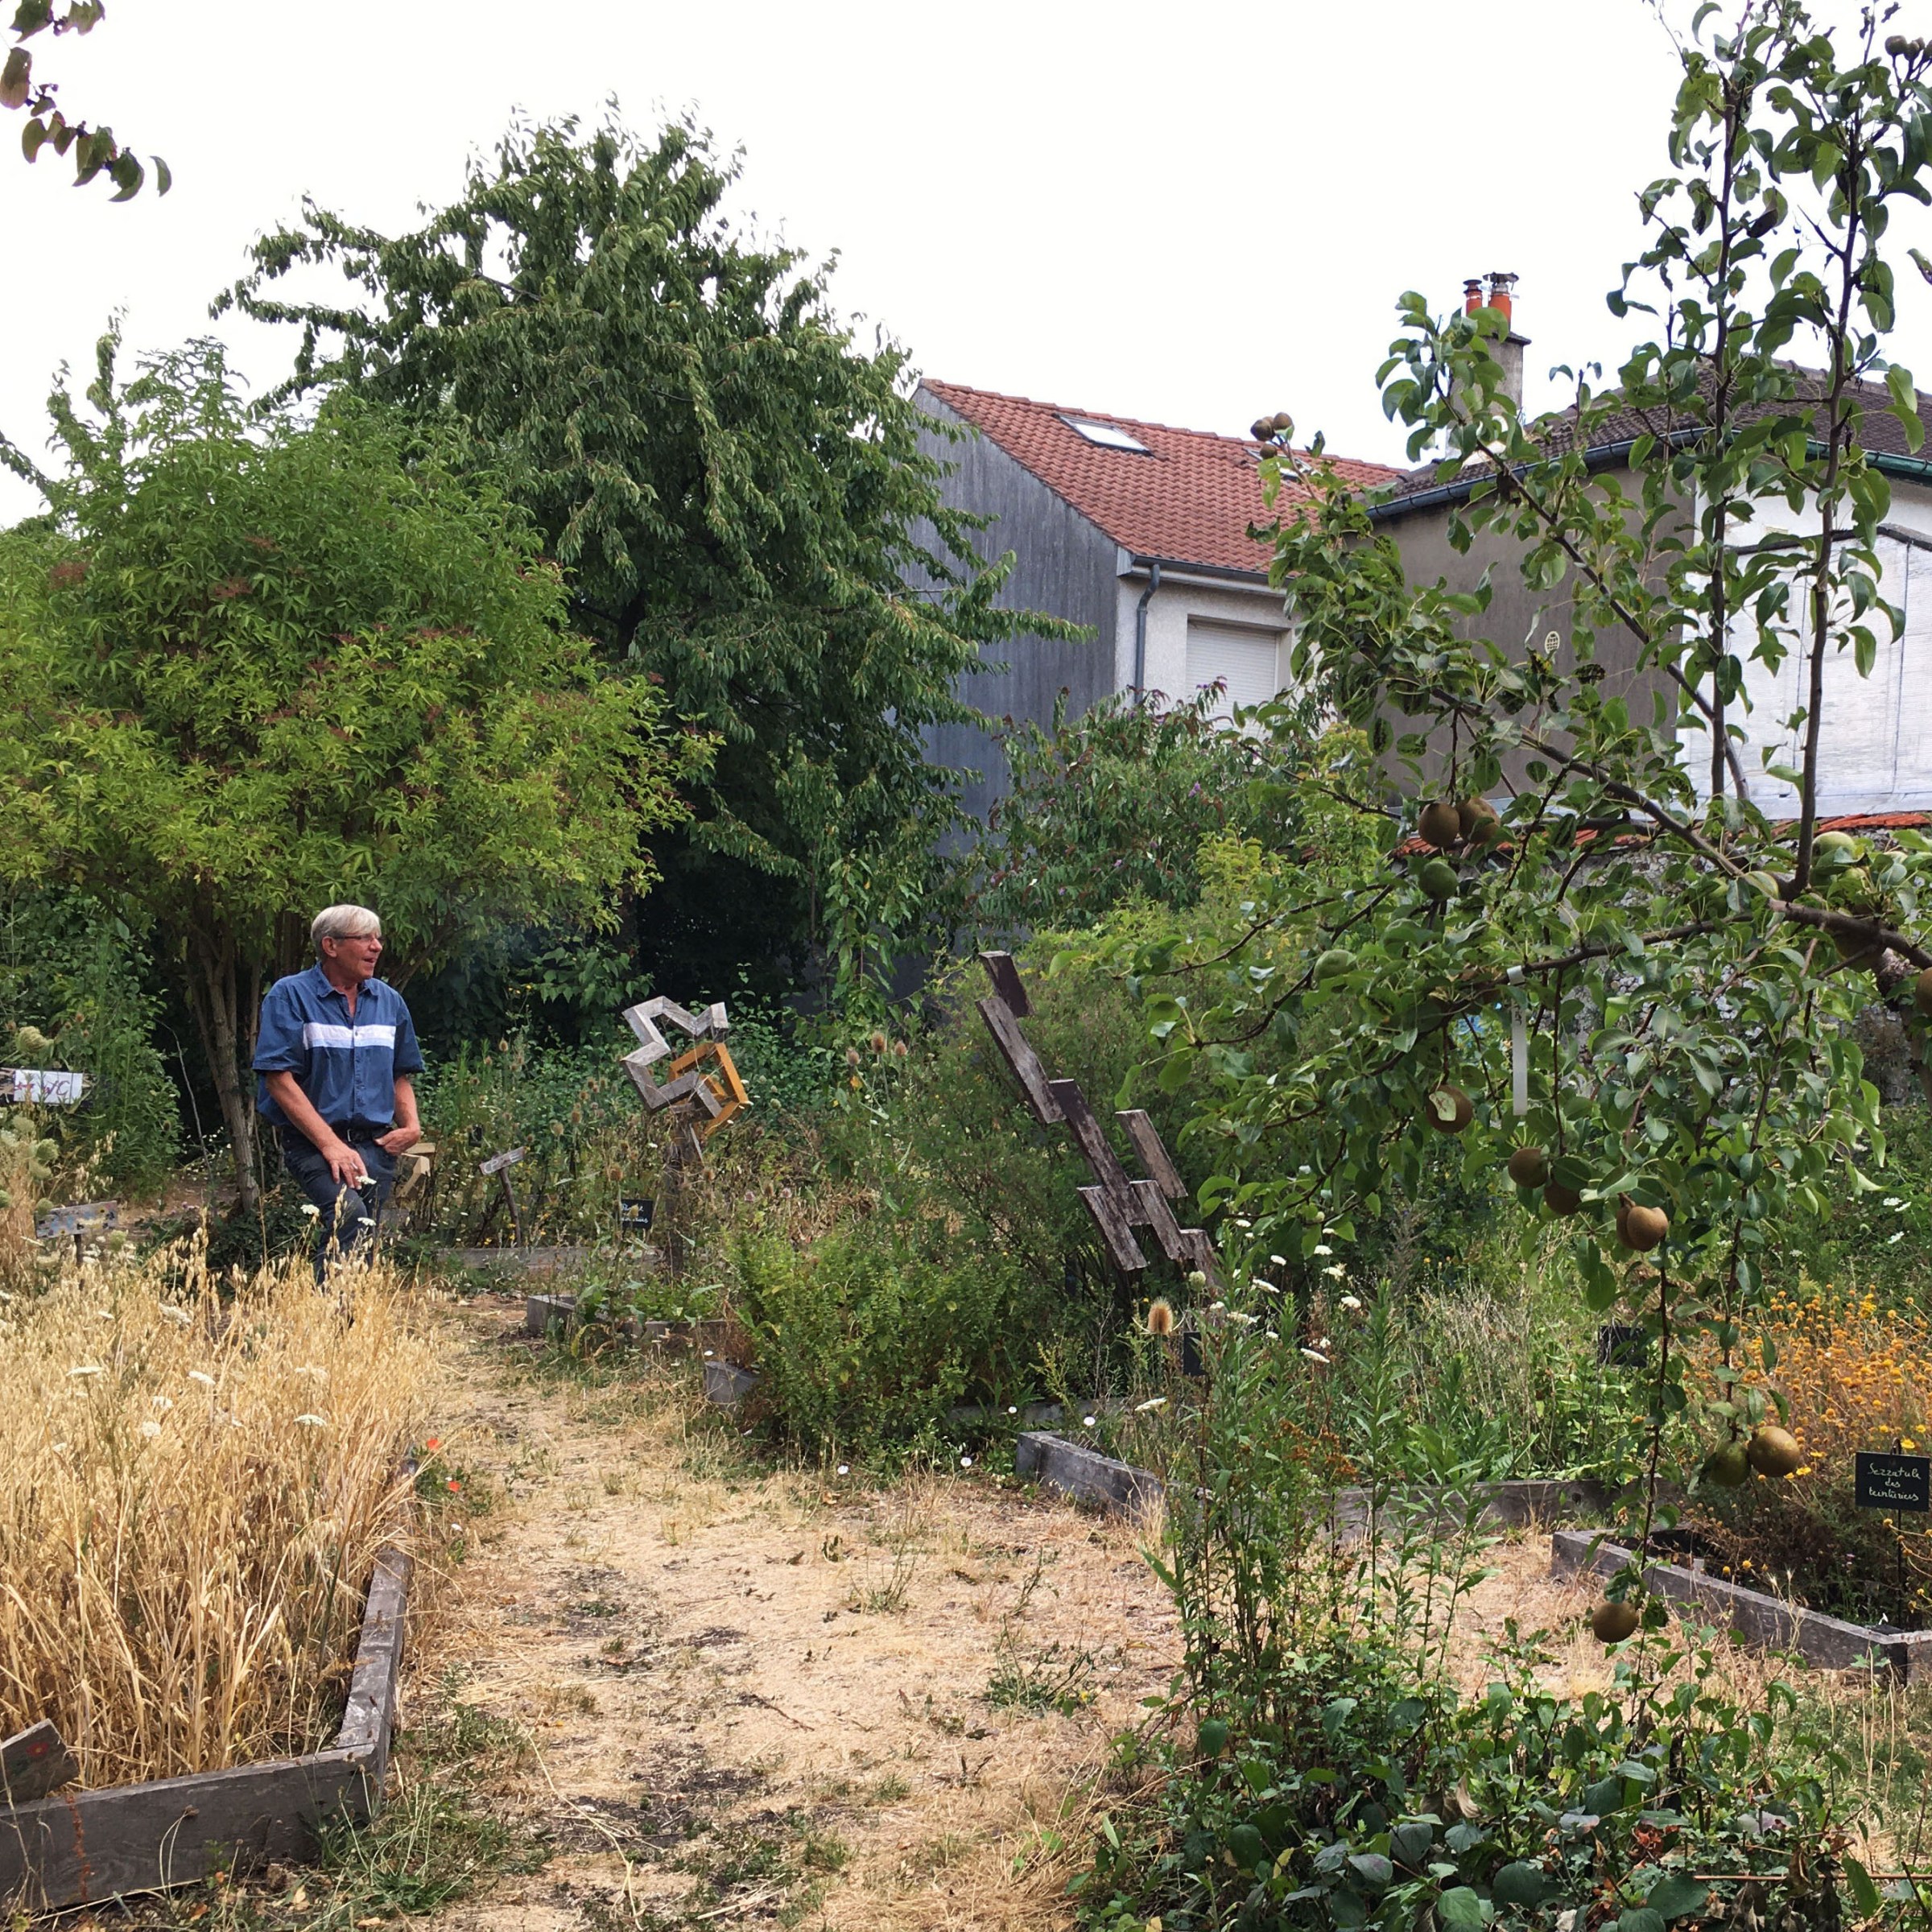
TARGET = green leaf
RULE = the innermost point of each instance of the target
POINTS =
(164, 177)
(16, 79)
(1519, 1884)
(1641, 1918)
(1864, 1893)
(1372, 1869)
(1675, 1894)
(1461, 1908)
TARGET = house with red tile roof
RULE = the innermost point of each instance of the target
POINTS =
(1139, 531)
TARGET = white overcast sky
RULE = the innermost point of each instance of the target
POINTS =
(1190, 214)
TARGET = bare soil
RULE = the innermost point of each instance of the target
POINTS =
(761, 1696)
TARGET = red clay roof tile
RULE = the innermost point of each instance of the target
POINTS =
(1190, 500)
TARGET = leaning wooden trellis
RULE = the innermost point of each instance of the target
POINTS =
(61, 1848)
(1118, 1203)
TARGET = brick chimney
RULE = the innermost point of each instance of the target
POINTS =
(1500, 294)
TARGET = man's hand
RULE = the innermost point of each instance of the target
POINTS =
(344, 1164)
(400, 1139)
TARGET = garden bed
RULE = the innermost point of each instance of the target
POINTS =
(1090, 1477)
(1830, 1642)
(80, 1848)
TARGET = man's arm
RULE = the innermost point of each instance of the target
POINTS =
(408, 1130)
(343, 1163)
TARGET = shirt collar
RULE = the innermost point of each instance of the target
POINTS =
(323, 984)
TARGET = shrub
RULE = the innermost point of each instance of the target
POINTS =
(1116, 806)
(864, 1339)
(70, 968)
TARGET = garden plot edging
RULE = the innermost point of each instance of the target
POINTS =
(81, 1847)
(1090, 1477)
(1830, 1642)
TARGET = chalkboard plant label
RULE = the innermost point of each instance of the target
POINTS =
(1882, 1480)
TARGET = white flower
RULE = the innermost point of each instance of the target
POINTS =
(1011, 1409)
(1280, 1260)
(85, 1368)
(1335, 1271)
(195, 1374)
(1217, 1308)
(1159, 1401)
(308, 1422)
(1322, 1341)
(708, 1352)
(1891, 1239)
(965, 1462)
(1247, 1321)
(151, 1429)
(311, 1210)
(1310, 1355)
(1242, 1224)
(1271, 1335)
(1086, 1422)
(845, 1468)
(1351, 1303)
(179, 1317)
(1892, 1200)
(1323, 1247)
(163, 1401)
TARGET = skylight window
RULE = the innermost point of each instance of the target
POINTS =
(1105, 435)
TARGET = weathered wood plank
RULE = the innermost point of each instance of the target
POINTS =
(1021, 1057)
(34, 1762)
(1086, 1475)
(369, 1717)
(1150, 1210)
(82, 1847)
(1152, 1150)
(1007, 985)
(1106, 1208)
(1093, 1138)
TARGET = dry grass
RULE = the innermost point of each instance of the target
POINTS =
(192, 1494)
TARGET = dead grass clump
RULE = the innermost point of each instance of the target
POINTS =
(191, 1495)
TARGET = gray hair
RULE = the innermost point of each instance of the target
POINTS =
(344, 923)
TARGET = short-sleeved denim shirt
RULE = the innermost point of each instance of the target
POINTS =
(347, 1068)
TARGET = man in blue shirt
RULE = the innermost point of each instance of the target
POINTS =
(334, 1050)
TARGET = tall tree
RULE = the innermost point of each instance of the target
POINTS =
(249, 668)
(735, 489)
(1636, 988)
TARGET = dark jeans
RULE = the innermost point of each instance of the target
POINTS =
(345, 1223)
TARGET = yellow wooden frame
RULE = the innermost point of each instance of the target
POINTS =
(729, 1092)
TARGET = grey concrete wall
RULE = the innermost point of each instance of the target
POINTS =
(1064, 567)
(1519, 618)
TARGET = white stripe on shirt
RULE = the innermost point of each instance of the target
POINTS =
(320, 1033)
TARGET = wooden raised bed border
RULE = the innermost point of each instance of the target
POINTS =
(81, 1847)
(1090, 1477)
(1830, 1642)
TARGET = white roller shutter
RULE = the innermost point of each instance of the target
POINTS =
(1247, 661)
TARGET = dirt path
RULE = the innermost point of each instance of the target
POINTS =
(760, 1697)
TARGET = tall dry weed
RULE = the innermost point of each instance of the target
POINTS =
(192, 1495)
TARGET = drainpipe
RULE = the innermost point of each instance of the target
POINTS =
(1139, 633)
